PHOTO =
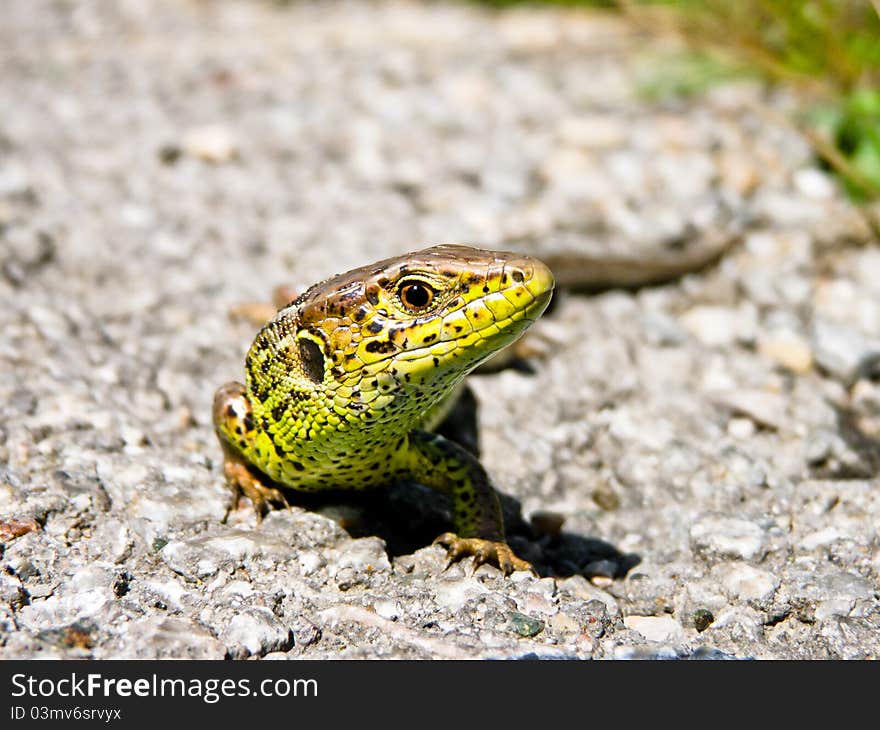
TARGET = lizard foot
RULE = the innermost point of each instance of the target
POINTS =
(484, 551)
(245, 484)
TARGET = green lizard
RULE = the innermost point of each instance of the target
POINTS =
(343, 385)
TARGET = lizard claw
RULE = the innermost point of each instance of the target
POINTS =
(495, 552)
(245, 484)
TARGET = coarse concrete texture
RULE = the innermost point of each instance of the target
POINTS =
(692, 466)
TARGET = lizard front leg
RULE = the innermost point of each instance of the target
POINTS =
(476, 512)
(234, 425)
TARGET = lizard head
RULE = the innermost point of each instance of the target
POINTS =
(417, 322)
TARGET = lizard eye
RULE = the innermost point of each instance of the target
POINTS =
(415, 295)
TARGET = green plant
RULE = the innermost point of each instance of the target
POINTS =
(852, 126)
(686, 74)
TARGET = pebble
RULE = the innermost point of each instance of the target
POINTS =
(738, 173)
(525, 625)
(239, 588)
(662, 329)
(764, 408)
(203, 556)
(832, 608)
(254, 632)
(814, 183)
(787, 349)
(662, 629)
(742, 619)
(453, 595)
(580, 587)
(747, 583)
(111, 540)
(14, 180)
(168, 637)
(827, 590)
(305, 632)
(592, 131)
(168, 592)
(741, 428)
(821, 538)
(365, 554)
(562, 623)
(843, 584)
(212, 143)
(842, 351)
(728, 537)
(387, 609)
(703, 619)
(717, 326)
(818, 448)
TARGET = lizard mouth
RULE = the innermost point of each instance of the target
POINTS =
(484, 304)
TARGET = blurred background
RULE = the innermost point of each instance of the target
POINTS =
(579, 127)
(824, 50)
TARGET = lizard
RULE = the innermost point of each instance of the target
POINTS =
(343, 385)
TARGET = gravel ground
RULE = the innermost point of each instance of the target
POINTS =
(692, 465)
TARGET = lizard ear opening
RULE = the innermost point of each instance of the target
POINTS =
(312, 359)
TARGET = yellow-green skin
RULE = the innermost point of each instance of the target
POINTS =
(342, 384)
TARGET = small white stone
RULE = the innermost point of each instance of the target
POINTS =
(309, 562)
(455, 594)
(664, 629)
(256, 631)
(746, 582)
(833, 607)
(738, 173)
(745, 617)
(366, 553)
(763, 407)
(741, 428)
(813, 183)
(717, 326)
(212, 143)
(788, 349)
(206, 567)
(728, 537)
(52, 324)
(534, 603)
(8, 499)
(170, 592)
(562, 623)
(240, 588)
(820, 538)
(387, 609)
(111, 541)
(580, 587)
(14, 180)
(592, 131)
(840, 350)
(80, 502)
